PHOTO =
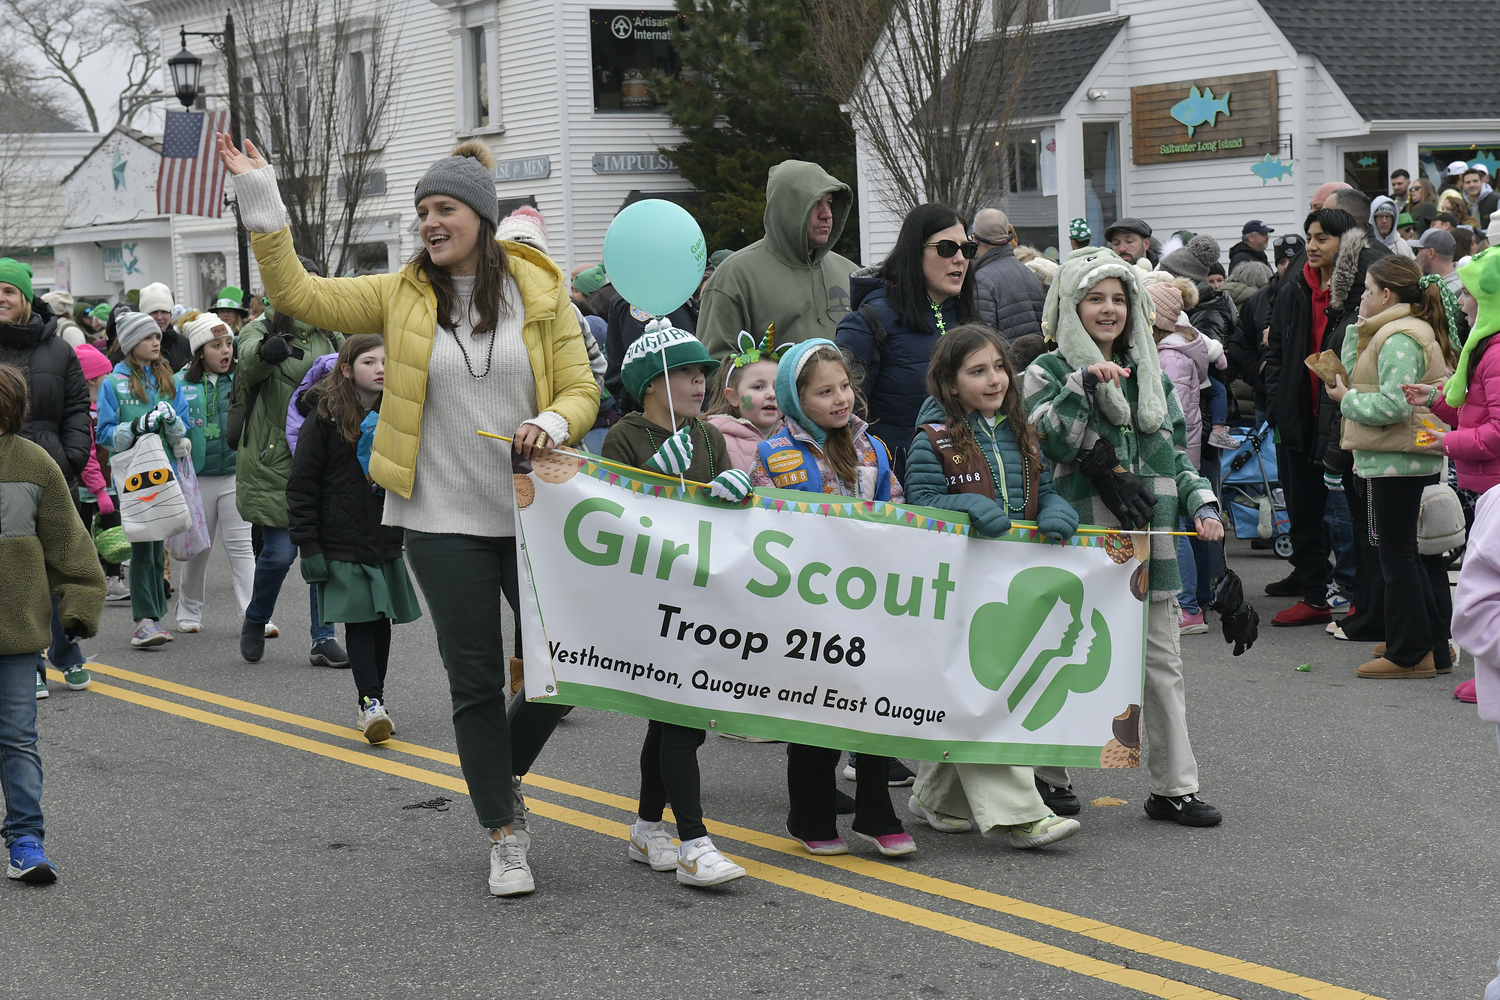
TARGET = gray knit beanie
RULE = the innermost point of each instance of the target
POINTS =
(1193, 260)
(132, 328)
(464, 175)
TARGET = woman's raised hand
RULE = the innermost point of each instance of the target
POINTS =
(234, 161)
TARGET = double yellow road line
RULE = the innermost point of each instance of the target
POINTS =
(933, 920)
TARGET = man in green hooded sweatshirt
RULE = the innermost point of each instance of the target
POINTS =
(791, 277)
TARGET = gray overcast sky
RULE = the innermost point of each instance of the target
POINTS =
(104, 77)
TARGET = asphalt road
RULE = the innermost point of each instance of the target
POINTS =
(222, 832)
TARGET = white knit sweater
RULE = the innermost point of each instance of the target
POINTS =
(463, 483)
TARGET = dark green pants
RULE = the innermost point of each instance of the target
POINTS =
(467, 580)
(148, 585)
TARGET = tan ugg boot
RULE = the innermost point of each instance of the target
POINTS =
(1380, 668)
(518, 676)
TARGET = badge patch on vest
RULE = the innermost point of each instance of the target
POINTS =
(640, 315)
(786, 460)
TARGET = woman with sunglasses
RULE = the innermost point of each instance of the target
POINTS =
(898, 310)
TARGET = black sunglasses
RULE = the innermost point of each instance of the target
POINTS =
(947, 248)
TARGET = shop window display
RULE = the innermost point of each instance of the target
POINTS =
(629, 48)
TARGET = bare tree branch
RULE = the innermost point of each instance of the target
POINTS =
(323, 103)
(61, 34)
(132, 32)
(928, 85)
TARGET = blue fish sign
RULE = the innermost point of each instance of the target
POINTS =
(1200, 109)
(1271, 169)
(1367, 161)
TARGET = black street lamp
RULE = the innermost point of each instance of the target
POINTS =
(186, 69)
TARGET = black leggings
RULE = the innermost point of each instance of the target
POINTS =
(669, 772)
(810, 784)
(369, 650)
(1415, 623)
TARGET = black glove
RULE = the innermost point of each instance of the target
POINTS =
(1240, 621)
(275, 350)
(1125, 495)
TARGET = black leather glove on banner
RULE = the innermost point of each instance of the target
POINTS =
(1240, 621)
(1126, 496)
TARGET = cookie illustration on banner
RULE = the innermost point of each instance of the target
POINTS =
(1119, 548)
(1125, 749)
(1140, 582)
(555, 466)
(525, 491)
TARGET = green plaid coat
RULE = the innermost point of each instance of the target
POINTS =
(1066, 424)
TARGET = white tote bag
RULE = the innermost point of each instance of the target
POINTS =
(152, 508)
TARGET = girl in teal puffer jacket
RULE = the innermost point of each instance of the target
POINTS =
(975, 453)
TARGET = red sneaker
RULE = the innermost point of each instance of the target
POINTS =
(1303, 613)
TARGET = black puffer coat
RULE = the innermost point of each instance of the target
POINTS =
(1315, 436)
(1007, 296)
(331, 507)
(58, 419)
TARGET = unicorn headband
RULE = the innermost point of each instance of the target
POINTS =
(750, 353)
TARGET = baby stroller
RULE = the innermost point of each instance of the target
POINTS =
(1256, 505)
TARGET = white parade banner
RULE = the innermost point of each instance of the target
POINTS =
(874, 627)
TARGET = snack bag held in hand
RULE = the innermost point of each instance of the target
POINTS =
(1327, 366)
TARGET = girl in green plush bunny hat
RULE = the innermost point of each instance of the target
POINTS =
(1108, 422)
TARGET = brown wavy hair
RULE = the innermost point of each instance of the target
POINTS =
(338, 397)
(1401, 276)
(942, 385)
(489, 283)
(838, 445)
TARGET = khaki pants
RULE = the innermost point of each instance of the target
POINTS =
(1169, 752)
(992, 795)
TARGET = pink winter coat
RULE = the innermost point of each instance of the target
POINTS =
(1476, 603)
(1186, 364)
(741, 437)
(1474, 445)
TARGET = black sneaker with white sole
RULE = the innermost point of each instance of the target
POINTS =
(1187, 810)
(1062, 801)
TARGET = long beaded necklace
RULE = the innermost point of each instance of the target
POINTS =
(937, 315)
(997, 470)
(489, 351)
(713, 469)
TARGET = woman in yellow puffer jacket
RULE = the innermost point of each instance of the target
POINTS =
(479, 334)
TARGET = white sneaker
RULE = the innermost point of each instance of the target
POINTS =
(1047, 830)
(118, 590)
(188, 625)
(651, 844)
(936, 820)
(374, 721)
(850, 774)
(700, 863)
(510, 875)
(271, 630)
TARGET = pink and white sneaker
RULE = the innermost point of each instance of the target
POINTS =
(892, 845)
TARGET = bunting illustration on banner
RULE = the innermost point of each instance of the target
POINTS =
(191, 179)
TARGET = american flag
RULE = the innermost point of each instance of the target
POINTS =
(191, 180)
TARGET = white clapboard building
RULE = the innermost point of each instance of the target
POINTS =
(1299, 97)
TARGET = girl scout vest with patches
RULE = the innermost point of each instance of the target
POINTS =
(793, 465)
(964, 475)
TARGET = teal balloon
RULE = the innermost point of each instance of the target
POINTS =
(654, 254)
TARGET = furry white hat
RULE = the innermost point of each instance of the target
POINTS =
(524, 225)
(156, 297)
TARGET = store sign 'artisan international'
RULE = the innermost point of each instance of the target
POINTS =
(1204, 119)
